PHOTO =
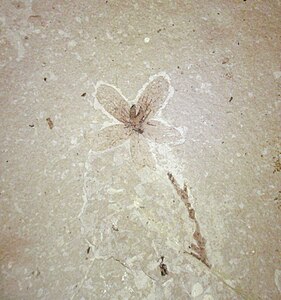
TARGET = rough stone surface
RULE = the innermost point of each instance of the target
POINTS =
(86, 217)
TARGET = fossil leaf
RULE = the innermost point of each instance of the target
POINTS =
(113, 102)
(154, 96)
(162, 133)
(140, 152)
(108, 137)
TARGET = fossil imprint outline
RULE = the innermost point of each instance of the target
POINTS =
(136, 122)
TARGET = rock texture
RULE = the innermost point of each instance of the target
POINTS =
(88, 215)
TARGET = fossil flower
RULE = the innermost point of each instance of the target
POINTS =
(135, 122)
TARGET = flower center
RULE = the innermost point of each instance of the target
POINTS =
(138, 128)
(136, 119)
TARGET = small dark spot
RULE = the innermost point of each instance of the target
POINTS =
(31, 125)
(222, 142)
(84, 94)
(277, 164)
(163, 267)
(106, 2)
(178, 67)
(115, 228)
(229, 75)
(50, 123)
(26, 37)
(36, 273)
(261, 155)
(231, 98)
(218, 13)
(214, 51)
(193, 30)
(225, 61)
(77, 153)
(45, 78)
(159, 30)
(88, 250)
(173, 24)
(238, 43)
(138, 130)
(7, 161)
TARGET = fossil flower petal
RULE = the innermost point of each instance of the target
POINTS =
(140, 152)
(108, 137)
(113, 102)
(162, 133)
(154, 96)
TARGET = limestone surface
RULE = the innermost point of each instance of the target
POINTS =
(140, 149)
